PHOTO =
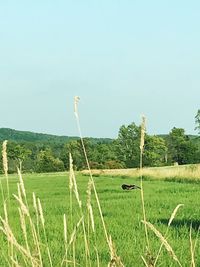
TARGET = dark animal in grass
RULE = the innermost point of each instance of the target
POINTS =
(130, 186)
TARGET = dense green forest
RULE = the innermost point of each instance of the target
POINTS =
(34, 152)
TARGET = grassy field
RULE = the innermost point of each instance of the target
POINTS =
(122, 212)
(181, 173)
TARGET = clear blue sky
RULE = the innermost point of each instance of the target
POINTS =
(123, 58)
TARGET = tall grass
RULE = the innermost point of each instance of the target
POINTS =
(115, 260)
(182, 173)
(143, 129)
(79, 226)
(5, 168)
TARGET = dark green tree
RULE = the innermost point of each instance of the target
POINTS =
(155, 151)
(75, 148)
(180, 147)
(102, 156)
(127, 145)
(18, 153)
(46, 162)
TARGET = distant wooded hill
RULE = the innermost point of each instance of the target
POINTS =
(37, 152)
(26, 136)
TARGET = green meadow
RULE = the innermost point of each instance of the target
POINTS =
(122, 212)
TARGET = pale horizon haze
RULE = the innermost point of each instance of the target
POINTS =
(122, 58)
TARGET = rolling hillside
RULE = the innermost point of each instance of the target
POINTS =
(26, 136)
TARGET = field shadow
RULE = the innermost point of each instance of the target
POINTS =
(195, 224)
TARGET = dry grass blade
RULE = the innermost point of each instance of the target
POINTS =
(36, 212)
(15, 262)
(80, 205)
(97, 256)
(65, 228)
(19, 191)
(71, 172)
(10, 246)
(21, 182)
(72, 238)
(89, 192)
(91, 217)
(43, 226)
(73, 235)
(12, 240)
(195, 243)
(174, 214)
(22, 223)
(114, 259)
(4, 156)
(5, 166)
(72, 175)
(5, 212)
(23, 226)
(169, 223)
(192, 249)
(41, 212)
(25, 210)
(142, 137)
(143, 129)
(76, 100)
(65, 238)
(145, 263)
(22, 205)
(71, 186)
(164, 241)
(89, 206)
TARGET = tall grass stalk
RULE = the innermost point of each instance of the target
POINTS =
(36, 213)
(169, 223)
(5, 168)
(44, 230)
(74, 252)
(192, 249)
(12, 240)
(193, 246)
(72, 240)
(196, 240)
(24, 231)
(23, 205)
(142, 138)
(65, 238)
(71, 204)
(76, 100)
(91, 219)
(163, 241)
(10, 246)
(72, 174)
(70, 188)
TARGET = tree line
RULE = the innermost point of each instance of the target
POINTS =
(123, 152)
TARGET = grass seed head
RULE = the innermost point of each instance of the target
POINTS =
(23, 207)
(71, 171)
(174, 214)
(73, 181)
(41, 212)
(76, 100)
(4, 156)
(143, 129)
(163, 240)
(21, 182)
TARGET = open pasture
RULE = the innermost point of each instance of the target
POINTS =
(122, 211)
